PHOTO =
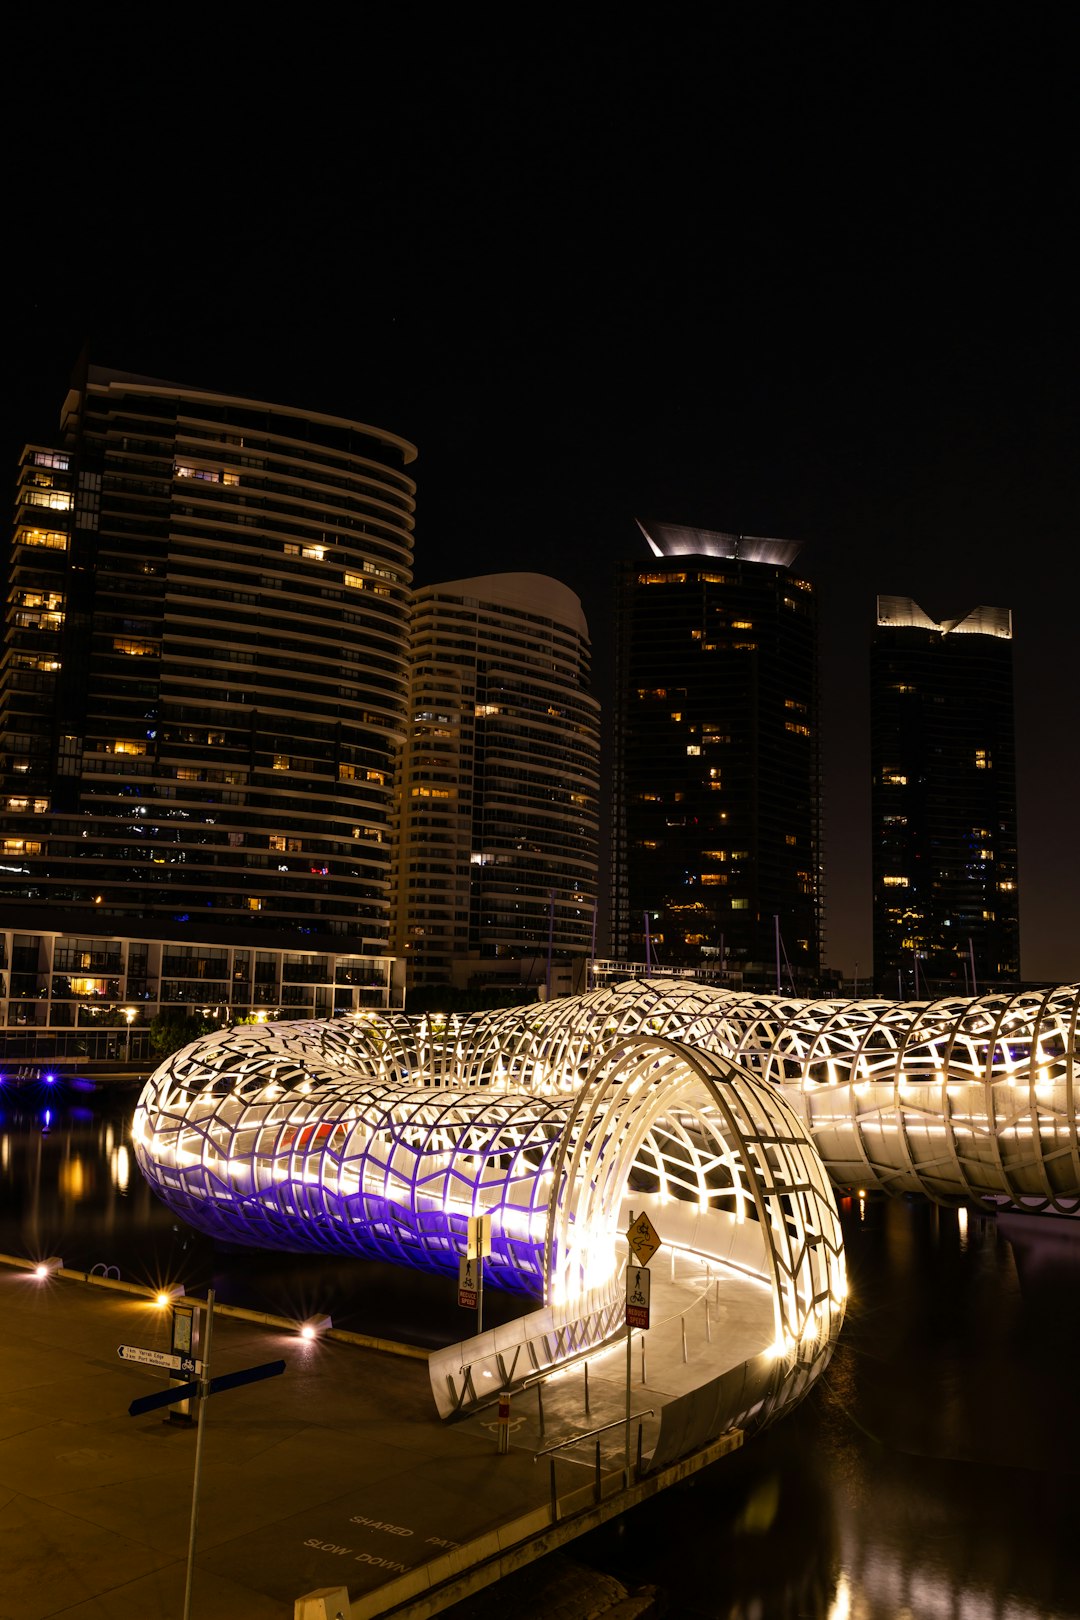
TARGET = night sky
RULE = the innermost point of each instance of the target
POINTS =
(780, 272)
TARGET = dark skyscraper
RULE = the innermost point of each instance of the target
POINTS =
(944, 801)
(716, 836)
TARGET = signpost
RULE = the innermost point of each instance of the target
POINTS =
(642, 1237)
(202, 1387)
(471, 1269)
(468, 1294)
(638, 1290)
(161, 1358)
(642, 1240)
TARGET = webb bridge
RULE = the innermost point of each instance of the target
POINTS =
(729, 1118)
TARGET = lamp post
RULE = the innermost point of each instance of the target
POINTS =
(129, 1014)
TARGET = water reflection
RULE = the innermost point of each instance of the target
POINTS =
(933, 1471)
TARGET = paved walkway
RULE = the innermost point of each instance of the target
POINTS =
(338, 1472)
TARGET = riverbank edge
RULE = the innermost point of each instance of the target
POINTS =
(364, 1341)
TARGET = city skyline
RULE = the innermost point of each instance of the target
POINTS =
(813, 284)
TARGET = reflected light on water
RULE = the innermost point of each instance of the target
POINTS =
(72, 1179)
(840, 1608)
(120, 1167)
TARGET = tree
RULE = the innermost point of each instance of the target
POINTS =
(169, 1031)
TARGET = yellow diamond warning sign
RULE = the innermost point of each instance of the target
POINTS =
(642, 1238)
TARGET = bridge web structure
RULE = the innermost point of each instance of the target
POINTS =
(358, 1136)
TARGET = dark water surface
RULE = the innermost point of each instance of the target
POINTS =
(933, 1474)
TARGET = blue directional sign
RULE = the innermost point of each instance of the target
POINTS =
(188, 1392)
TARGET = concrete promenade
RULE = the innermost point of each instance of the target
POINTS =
(337, 1473)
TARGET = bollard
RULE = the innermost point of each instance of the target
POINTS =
(586, 1365)
(540, 1406)
(639, 1428)
(597, 1489)
(504, 1425)
(682, 1325)
(708, 1324)
(643, 1358)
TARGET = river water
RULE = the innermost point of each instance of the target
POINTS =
(933, 1474)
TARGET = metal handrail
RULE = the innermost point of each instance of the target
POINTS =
(590, 1434)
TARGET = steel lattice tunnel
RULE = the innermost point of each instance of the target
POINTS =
(378, 1136)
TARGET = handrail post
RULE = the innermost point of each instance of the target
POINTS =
(597, 1489)
(587, 1412)
(639, 1429)
(554, 1496)
(682, 1325)
(540, 1404)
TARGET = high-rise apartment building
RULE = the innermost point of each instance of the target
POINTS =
(203, 688)
(499, 785)
(946, 902)
(716, 827)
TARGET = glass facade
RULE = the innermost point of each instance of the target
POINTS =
(946, 896)
(499, 805)
(716, 841)
(204, 678)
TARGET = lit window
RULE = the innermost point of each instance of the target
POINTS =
(895, 882)
(21, 846)
(982, 760)
(715, 854)
(376, 776)
(136, 648)
(797, 727)
(282, 762)
(354, 581)
(790, 838)
(676, 714)
(129, 746)
(894, 778)
(1007, 885)
(254, 904)
(54, 500)
(693, 749)
(276, 841)
(740, 905)
(484, 709)
(52, 538)
(346, 773)
(742, 624)
(711, 878)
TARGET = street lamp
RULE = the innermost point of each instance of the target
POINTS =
(129, 1014)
